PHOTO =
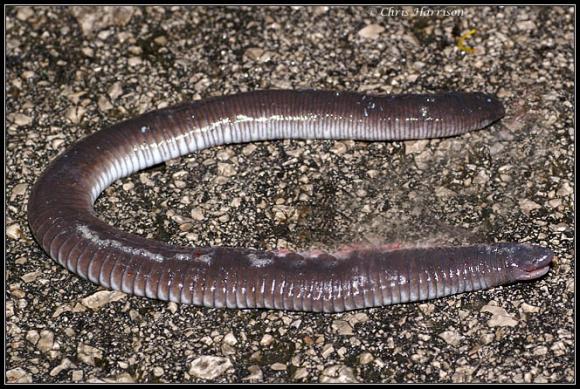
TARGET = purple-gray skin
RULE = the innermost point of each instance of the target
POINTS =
(63, 221)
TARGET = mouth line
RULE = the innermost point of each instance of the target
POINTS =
(536, 273)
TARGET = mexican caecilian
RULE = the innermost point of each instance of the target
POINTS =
(63, 221)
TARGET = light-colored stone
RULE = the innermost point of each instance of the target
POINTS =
(300, 373)
(452, 338)
(88, 354)
(64, 365)
(500, 317)
(342, 327)
(528, 205)
(254, 53)
(19, 190)
(46, 341)
(32, 336)
(415, 147)
(371, 31)
(527, 308)
(21, 119)
(77, 376)
(230, 339)
(338, 374)
(209, 367)
(278, 366)
(31, 277)
(327, 350)
(24, 13)
(266, 340)
(75, 114)
(255, 375)
(18, 376)
(101, 298)
(540, 350)
(365, 358)
(115, 91)
(14, 232)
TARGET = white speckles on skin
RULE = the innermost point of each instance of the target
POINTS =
(290, 290)
(298, 118)
(273, 288)
(355, 288)
(259, 262)
(339, 291)
(88, 234)
(205, 258)
(319, 291)
(300, 292)
(182, 257)
(144, 129)
(213, 125)
(328, 289)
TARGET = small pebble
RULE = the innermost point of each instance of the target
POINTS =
(209, 367)
(372, 31)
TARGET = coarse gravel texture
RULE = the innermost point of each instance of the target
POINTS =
(73, 70)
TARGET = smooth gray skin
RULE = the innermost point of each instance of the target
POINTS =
(62, 219)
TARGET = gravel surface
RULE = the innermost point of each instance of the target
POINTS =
(73, 70)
